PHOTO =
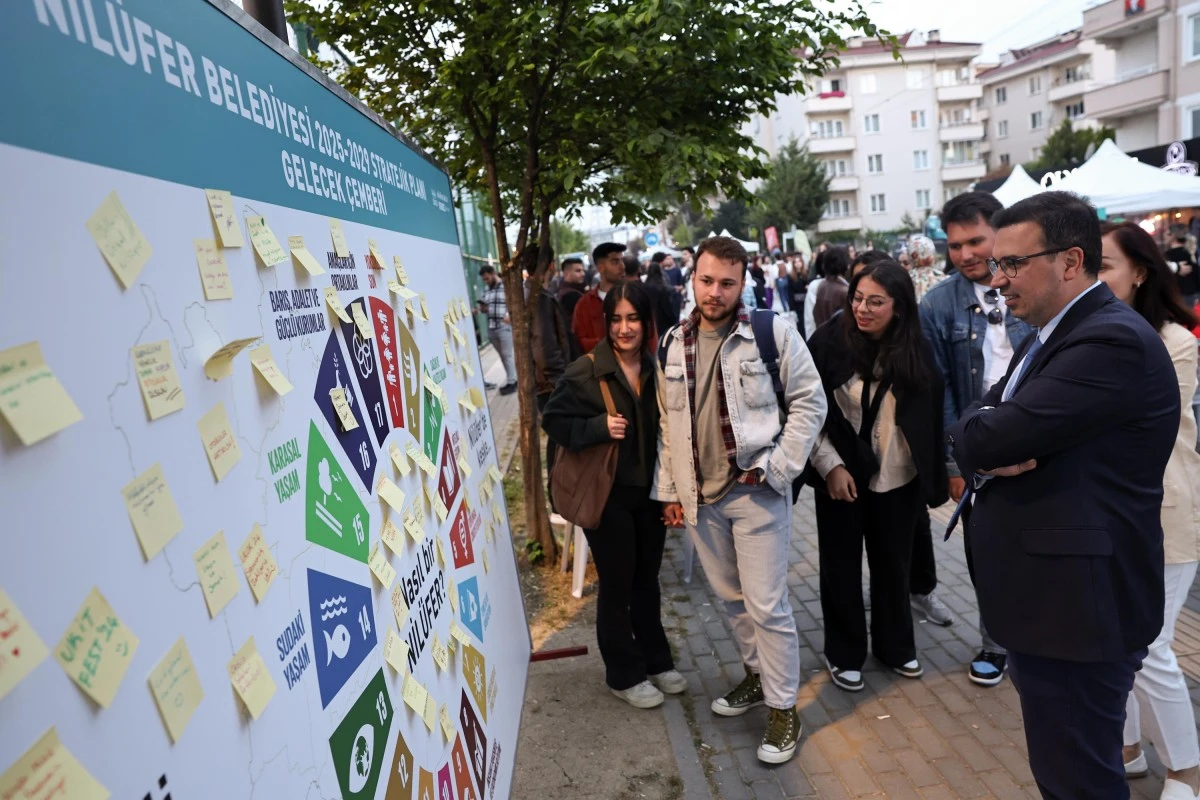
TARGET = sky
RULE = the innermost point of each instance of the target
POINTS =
(999, 26)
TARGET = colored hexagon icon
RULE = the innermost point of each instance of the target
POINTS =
(359, 742)
(334, 516)
(470, 607)
(343, 623)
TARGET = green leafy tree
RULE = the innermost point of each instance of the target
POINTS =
(733, 216)
(566, 238)
(1067, 147)
(542, 106)
(796, 192)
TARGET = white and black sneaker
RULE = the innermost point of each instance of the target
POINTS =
(782, 735)
(851, 680)
(911, 669)
(643, 695)
(745, 696)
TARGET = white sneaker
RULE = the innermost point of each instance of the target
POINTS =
(1138, 768)
(1177, 790)
(670, 682)
(644, 695)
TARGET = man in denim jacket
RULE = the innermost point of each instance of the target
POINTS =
(973, 338)
(727, 456)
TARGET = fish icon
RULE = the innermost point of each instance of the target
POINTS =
(336, 645)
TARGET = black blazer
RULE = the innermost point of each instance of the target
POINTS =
(1068, 557)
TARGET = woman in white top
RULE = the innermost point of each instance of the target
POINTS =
(1136, 272)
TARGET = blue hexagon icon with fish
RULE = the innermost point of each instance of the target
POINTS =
(343, 621)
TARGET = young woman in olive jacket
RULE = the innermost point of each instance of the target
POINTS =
(627, 547)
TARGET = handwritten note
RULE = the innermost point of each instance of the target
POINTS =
(373, 249)
(494, 474)
(405, 293)
(457, 633)
(365, 331)
(380, 568)
(441, 656)
(464, 400)
(335, 304)
(339, 239)
(32, 400)
(452, 592)
(398, 458)
(96, 649)
(418, 455)
(390, 493)
(155, 370)
(395, 652)
(441, 552)
(21, 649)
(250, 678)
(119, 239)
(458, 337)
(414, 693)
(219, 443)
(176, 688)
(152, 510)
(304, 258)
(462, 305)
(430, 715)
(342, 407)
(270, 252)
(401, 273)
(392, 536)
(219, 365)
(449, 353)
(435, 500)
(214, 272)
(424, 309)
(447, 723)
(469, 371)
(265, 364)
(415, 525)
(218, 580)
(476, 394)
(486, 567)
(220, 206)
(399, 606)
(49, 770)
(258, 563)
(488, 529)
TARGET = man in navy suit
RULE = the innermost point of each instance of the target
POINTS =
(1068, 453)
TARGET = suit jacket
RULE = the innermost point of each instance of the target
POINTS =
(1068, 557)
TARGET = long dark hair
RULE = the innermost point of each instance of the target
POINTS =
(837, 262)
(654, 275)
(899, 350)
(639, 298)
(1157, 299)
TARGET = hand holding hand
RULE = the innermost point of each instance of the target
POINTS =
(841, 484)
(1008, 472)
(957, 487)
(617, 426)
(673, 515)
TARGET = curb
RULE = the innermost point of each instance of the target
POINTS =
(695, 784)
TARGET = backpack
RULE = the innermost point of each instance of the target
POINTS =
(762, 322)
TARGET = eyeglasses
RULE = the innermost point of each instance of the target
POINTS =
(874, 303)
(1009, 264)
(994, 316)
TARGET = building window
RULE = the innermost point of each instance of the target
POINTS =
(920, 159)
(1074, 110)
(1034, 153)
(878, 204)
(1001, 95)
(871, 123)
(1002, 129)
(1193, 32)
(953, 77)
(1004, 159)
(1194, 117)
(917, 118)
(866, 83)
(828, 128)
(836, 168)
(1035, 85)
(923, 199)
(831, 85)
(952, 192)
(838, 208)
(875, 164)
(1035, 121)
(1074, 74)
(959, 153)
(914, 78)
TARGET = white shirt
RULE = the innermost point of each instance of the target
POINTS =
(810, 306)
(1044, 334)
(997, 349)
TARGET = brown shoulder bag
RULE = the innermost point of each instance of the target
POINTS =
(581, 481)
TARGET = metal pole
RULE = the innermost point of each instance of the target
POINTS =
(269, 14)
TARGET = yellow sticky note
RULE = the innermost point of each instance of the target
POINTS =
(452, 592)
(380, 568)
(49, 770)
(154, 367)
(219, 443)
(406, 294)
(422, 460)
(270, 252)
(476, 394)
(118, 237)
(96, 649)
(395, 652)
(408, 308)
(497, 511)
(453, 312)
(152, 510)
(218, 580)
(436, 502)
(414, 693)
(339, 239)
(304, 258)
(373, 249)
(32, 400)
(23, 648)
(449, 354)
(430, 385)
(361, 322)
(258, 563)
(441, 553)
(220, 206)
(265, 364)
(219, 365)
(441, 656)
(457, 632)
(176, 688)
(390, 493)
(487, 533)
(335, 304)
(447, 723)
(398, 458)
(485, 489)
(250, 678)
(430, 715)
(462, 304)
(458, 337)
(214, 272)
(424, 309)
(494, 473)
(486, 567)
(390, 535)
(342, 407)
(415, 525)
(468, 370)
(399, 606)
(463, 466)
(464, 400)
(401, 273)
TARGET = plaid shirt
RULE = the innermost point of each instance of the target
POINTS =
(497, 306)
(688, 328)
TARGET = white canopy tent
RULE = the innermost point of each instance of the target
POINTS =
(1018, 186)
(1119, 184)
(751, 247)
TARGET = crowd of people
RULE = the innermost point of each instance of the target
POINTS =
(1042, 378)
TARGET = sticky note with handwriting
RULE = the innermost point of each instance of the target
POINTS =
(395, 652)
(399, 606)
(399, 459)
(219, 365)
(32, 400)
(392, 536)
(265, 364)
(152, 510)
(269, 251)
(401, 273)
(339, 239)
(373, 249)
(251, 679)
(220, 445)
(335, 304)
(175, 685)
(383, 571)
(365, 331)
(342, 407)
(154, 367)
(258, 563)
(214, 272)
(50, 770)
(96, 649)
(119, 239)
(220, 206)
(218, 579)
(304, 258)
(23, 648)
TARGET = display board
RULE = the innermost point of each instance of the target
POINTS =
(254, 539)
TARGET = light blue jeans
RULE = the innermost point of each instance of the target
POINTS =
(743, 541)
(501, 339)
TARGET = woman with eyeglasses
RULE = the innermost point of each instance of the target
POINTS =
(879, 460)
(1137, 273)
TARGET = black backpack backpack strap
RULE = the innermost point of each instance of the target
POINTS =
(763, 323)
(662, 346)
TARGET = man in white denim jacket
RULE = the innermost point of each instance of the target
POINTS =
(727, 457)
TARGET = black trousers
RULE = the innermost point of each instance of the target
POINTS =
(1074, 715)
(884, 522)
(551, 450)
(923, 572)
(628, 550)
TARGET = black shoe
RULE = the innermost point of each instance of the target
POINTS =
(850, 680)
(745, 696)
(987, 668)
(489, 385)
(508, 388)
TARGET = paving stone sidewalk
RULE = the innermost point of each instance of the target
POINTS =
(937, 737)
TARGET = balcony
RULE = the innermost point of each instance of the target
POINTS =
(985, 147)
(830, 144)
(1067, 90)
(965, 131)
(968, 170)
(835, 224)
(959, 92)
(843, 183)
(1109, 23)
(982, 114)
(828, 102)
(1128, 94)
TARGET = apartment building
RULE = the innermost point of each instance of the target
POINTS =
(1153, 96)
(896, 137)
(1033, 89)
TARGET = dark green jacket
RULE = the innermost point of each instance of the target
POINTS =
(575, 417)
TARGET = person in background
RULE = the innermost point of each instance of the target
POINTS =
(903, 258)
(798, 287)
(661, 294)
(587, 322)
(758, 280)
(781, 284)
(831, 295)
(878, 463)
(973, 337)
(852, 252)
(923, 272)
(553, 349)
(499, 325)
(830, 254)
(865, 259)
(1182, 261)
(627, 546)
(572, 286)
(673, 278)
(1139, 277)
